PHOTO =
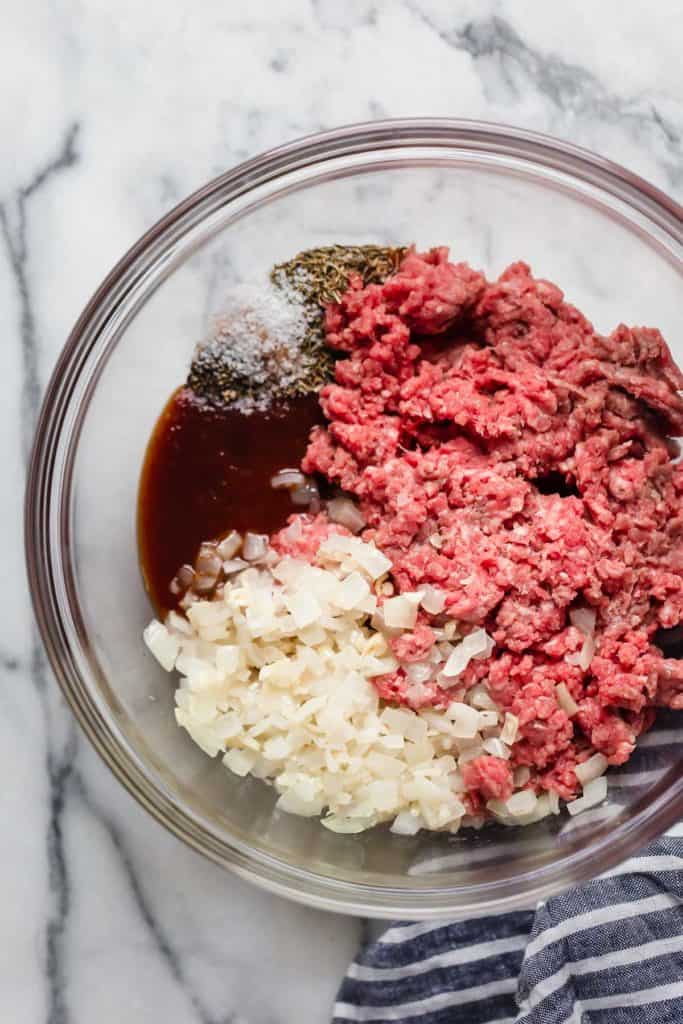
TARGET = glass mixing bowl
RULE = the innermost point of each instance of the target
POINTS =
(495, 195)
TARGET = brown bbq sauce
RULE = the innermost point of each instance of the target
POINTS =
(207, 471)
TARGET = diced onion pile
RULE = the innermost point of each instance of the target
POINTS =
(276, 674)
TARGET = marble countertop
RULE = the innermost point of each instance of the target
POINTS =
(111, 114)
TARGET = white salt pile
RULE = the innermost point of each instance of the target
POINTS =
(254, 351)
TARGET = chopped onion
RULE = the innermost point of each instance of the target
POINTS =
(584, 657)
(379, 622)
(230, 545)
(521, 803)
(477, 643)
(399, 721)
(496, 748)
(419, 671)
(304, 608)
(306, 494)
(487, 649)
(541, 810)
(346, 826)
(302, 489)
(445, 649)
(591, 769)
(228, 658)
(565, 699)
(450, 630)
(371, 559)
(295, 803)
(470, 754)
(204, 584)
(479, 697)
(354, 592)
(255, 546)
(337, 546)
(400, 612)
(240, 761)
(465, 720)
(586, 653)
(178, 623)
(185, 576)
(583, 619)
(163, 645)
(287, 478)
(594, 792)
(280, 674)
(208, 561)
(457, 662)
(345, 512)
(233, 565)
(435, 655)
(433, 599)
(183, 580)
(407, 824)
(508, 733)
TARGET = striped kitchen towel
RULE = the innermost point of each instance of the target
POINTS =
(609, 952)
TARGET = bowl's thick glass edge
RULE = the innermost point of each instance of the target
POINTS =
(45, 565)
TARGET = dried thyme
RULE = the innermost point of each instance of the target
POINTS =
(321, 276)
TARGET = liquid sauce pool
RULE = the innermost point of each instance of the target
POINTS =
(207, 471)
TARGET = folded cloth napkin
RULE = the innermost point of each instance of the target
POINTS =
(609, 952)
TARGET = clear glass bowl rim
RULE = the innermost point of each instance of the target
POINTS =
(46, 520)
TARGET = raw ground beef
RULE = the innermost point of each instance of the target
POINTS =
(503, 451)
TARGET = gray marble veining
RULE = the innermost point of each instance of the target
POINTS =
(110, 114)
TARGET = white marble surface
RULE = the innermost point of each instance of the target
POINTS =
(110, 114)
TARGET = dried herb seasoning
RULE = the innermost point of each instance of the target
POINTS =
(270, 343)
(322, 275)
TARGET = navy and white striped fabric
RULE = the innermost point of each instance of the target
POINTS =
(609, 952)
